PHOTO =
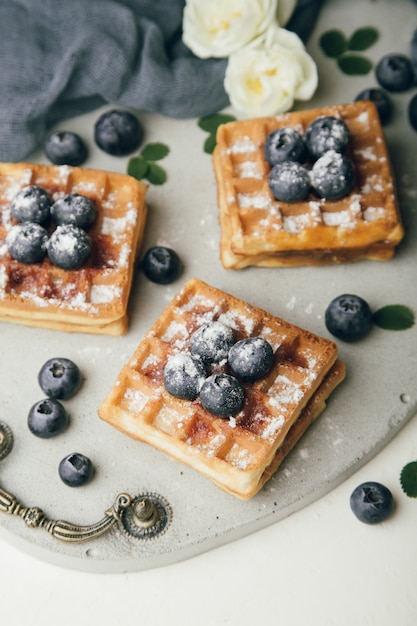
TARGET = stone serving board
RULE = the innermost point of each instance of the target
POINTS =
(376, 400)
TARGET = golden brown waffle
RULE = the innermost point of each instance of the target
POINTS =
(239, 454)
(258, 230)
(94, 298)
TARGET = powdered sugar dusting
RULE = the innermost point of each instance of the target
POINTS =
(104, 294)
(245, 145)
(255, 201)
(373, 213)
(117, 221)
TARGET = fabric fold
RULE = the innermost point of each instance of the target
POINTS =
(60, 59)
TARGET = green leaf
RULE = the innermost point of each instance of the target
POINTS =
(408, 479)
(155, 151)
(363, 38)
(354, 64)
(210, 143)
(156, 175)
(211, 123)
(333, 43)
(394, 317)
(137, 167)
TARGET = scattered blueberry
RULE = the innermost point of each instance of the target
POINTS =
(118, 132)
(161, 265)
(65, 148)
(27, 242)
(284, 144)
(69, 247)
(348, 317)
(59, 378)
(183, 376)
(31, 204)
(76, 470)
(326, 133)
(47, 418)
(333, 176)
(212, 342)
(394, 72)
(412, 112)
(289, 181)
(74, 208)
(222, 395)
(381, 100)
(251, 358)
(372, 502)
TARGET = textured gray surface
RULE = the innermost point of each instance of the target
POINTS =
(378, 397)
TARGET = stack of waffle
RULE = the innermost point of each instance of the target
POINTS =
(239, 454)
(258, 230)
(94, 298)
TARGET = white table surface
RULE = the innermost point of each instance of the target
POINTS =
(320, 566)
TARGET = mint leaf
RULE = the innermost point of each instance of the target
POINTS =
(363, 38)
(408, 479)
(333, 43)
(354, 64)
(155, 151)
(210, 143)
(394, 317)
(211, 123)
(137, 167)
(155, 174)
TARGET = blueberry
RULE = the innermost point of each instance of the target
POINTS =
(65, 148)
(348, 317)
(59, 378)
(251, 358)
(118, 132)
(284, 144)
(372, 502)
(27, 242)
(74, 208)
(76, 469)
(183, 376)
(31, 204)
(212, 342)
(412, 112)
(47, 418)
(289, 182)
(333, 176)
(69, 247)
(161, 265)
(326, 133)
(395, 72)
(381, 99)
(222, 395)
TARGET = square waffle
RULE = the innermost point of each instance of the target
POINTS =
(241, 453)
(258, 230)
(94, 298)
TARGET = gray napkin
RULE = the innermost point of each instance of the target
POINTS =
(60, 58)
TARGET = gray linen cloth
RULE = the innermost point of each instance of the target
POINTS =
(61, 58)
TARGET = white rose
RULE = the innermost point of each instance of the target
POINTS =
(284, 11)
(217, 28)
(266, 78)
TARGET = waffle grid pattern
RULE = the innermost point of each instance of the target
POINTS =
(139, 405)
(255, 224)
(97, 292)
